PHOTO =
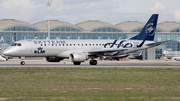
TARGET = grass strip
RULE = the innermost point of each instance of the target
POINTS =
(89, 84)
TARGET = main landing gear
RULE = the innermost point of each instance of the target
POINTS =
(93, 62)
(22, 63)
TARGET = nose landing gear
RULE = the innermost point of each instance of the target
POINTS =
(22, 62)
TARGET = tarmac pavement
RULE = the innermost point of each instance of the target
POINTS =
(131, 63)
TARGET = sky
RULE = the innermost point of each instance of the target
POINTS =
(77, 11)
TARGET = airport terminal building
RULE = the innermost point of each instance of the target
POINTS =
(12, 30)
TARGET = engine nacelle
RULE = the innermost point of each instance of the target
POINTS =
(78, 57)
(53, 59)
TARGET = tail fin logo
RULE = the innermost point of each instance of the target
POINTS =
(150, 29)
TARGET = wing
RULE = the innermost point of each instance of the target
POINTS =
(121, 51)
(156, 43)
(113, 52)
(107, 50)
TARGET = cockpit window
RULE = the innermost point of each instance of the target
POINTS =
(16, 44)
(19, 44)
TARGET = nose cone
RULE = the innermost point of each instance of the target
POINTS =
(7, 52)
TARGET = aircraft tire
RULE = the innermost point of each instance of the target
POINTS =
(93, 62)
(22, 63)
(76, 63)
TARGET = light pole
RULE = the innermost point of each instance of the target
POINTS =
(48, 5)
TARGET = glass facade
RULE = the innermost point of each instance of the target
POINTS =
(66, 29)
(16, 33)
(106, 29)
(20, 28)
(139, 29)
(176, 30)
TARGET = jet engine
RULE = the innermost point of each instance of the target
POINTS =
(53, 59)
(78, 57)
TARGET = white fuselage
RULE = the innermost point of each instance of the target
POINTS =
(63, 48)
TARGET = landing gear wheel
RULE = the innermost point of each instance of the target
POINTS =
(22, 63)
(77, 63)
(93, 62)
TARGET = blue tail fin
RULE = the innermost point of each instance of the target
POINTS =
(148, 31)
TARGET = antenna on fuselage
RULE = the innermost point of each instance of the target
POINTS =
(48, 5)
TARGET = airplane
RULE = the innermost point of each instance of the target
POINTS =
(79, 51)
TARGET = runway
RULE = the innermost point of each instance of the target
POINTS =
(131, 63)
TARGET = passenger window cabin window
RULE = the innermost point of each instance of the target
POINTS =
(44, 44)
(66, 44)
(86, 44)
(63, 44)
(82, 44)
(52, 44)
(41, 45)
(59, 44)
(89, 44)
(78, 44)
(74, 45)
(70, 44)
